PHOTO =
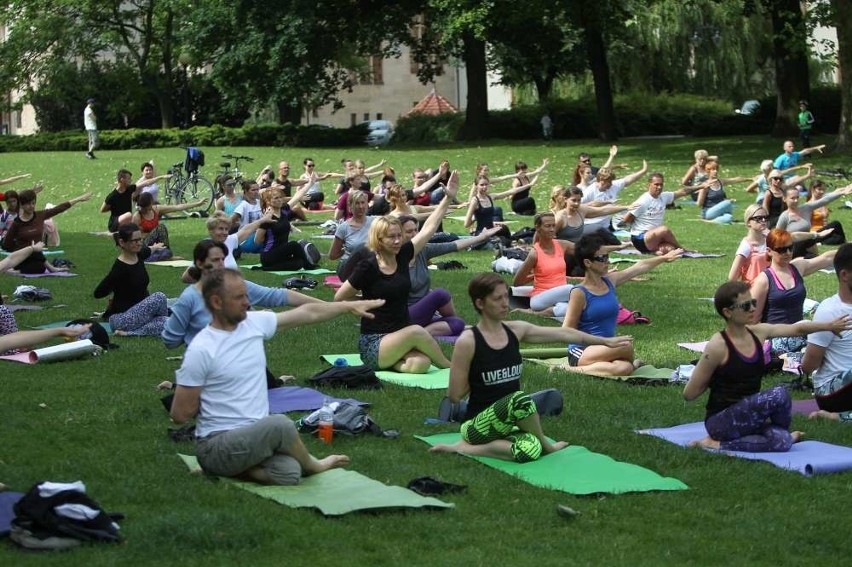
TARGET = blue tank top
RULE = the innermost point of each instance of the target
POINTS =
(784, 305)
(599, 315)
(484, 216)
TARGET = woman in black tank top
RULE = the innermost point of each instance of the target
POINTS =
(487, 366)
(739, 416)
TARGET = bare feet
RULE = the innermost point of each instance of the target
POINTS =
(797, 436)
(638, 363)
(822, 414)
(328, 463)
(286, 378)
(165, 385)
(546, 312)
(553, 447)
(442, 448)
(120, 333)
(706, 443)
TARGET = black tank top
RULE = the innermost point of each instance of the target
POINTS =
(494, 373)
(738, 378)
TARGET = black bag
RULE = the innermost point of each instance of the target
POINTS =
(194, 159)
(352, 377)
(37, 518)
(98, 334)
(349, 419)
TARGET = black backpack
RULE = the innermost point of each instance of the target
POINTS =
(98, 334)
(349, 419)
(352, 377)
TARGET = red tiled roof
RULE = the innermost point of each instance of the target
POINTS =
(433, 104)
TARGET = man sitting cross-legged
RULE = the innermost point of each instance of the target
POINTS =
(222, 382)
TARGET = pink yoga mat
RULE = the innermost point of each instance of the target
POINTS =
(50, 275)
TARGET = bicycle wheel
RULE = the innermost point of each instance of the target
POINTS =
(199, 188)
(174, 189)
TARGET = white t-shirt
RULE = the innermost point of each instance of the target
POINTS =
(249, 212)
(232, 242)
(650, 211)
(90, 121)
(153, 189)
(838, 350)
(746, 249)
(593, 193)
(230, 369)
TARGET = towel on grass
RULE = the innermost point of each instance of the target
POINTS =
(296, 398)
(694, 347)
(574, 470)
(7, 510)
(46, 274)
(806, 457)
(646, 374)
(171, 263)
(335, 492)
(107, 327)
(332, 282)
(314, 272)
(435, 379)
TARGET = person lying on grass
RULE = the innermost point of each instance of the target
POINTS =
(739, 416)
(593, 308)
(29, 339)
(501, 420)
(225, 388)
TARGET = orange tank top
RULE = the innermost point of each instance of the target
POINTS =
(549, 269)
(818, 218)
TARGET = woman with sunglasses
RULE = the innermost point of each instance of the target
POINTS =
(797, 218)
(132, 311)
(230, 199)
(780, 289)
(773, 199)
(750, 258)
(739, 416)
(593, 308)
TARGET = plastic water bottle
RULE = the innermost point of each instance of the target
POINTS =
(325, 423)
(339, 362)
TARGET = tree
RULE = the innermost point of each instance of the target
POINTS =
(842, 12)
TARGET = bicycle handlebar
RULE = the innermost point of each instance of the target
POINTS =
(231, 156)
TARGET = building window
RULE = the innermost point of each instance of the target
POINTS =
(366, 116)
(315, 113)
(378, 116)
(376, 62)
(353, 119)
(19, 122)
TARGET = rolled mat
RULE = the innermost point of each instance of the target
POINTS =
(171, 263)
(574, 470)
(56, 353)
(435, 379)
(47, 274)
(808, 458)
(314, 272)
(335, 492)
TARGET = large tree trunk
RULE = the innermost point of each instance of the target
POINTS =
(791, 63)
(603, 88)
(476, 116)
(543, 86)
(843, 25)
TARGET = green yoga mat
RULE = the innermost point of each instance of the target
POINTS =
(435, 379)
(56, 324)
(646, 374)
(575, 470)
(335, 492)
(316, 272)
(47, 253)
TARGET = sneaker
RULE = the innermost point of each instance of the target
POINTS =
(90, 155)
(312, 253)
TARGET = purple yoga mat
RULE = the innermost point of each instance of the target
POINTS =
(295, 398)
(50, 275)
(809, 458)
(804, 407)
(7, 512)
(450, 339)
(18, 307)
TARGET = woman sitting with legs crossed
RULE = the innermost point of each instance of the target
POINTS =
(501, 420)
(739, 416)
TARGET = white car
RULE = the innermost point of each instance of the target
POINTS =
(748, 108)
(379, 132)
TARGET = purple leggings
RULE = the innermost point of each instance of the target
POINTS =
(743, 426)
(423, 312)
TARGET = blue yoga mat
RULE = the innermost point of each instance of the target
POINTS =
(809, 458)
(295, 398)
(7, 512)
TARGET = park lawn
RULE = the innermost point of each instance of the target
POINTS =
(101, 421)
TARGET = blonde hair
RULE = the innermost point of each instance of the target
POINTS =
(266, 196)
(557, 197)
(766, 166)
(701, 154)
(605, 174)
(396, 194)
(750, 210)
(354, 195)
(379, 229)
(217, 218)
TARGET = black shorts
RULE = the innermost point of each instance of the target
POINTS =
(639, 243)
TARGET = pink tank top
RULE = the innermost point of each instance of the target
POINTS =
(549, 269)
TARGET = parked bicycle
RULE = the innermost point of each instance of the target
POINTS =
(234, 172)
(842, 176)
(186, 184)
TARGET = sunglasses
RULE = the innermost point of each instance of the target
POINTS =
(783, 249)
(307, 165)
(603, 258)
(759, 218)
(749, 305)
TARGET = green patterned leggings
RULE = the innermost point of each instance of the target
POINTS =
(498, 420)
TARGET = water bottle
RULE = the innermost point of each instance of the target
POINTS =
(325, 423)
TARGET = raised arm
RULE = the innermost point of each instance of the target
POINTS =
(643, 266)
(613, 151)
(636, 175)
(435, 218)
(378, 166)
(429, 183)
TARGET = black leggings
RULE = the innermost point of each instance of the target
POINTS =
(286, 257)
(524, 206)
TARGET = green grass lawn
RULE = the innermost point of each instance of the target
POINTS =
(101, 421)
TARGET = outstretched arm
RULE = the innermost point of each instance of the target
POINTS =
(434, 220)
(27, 339)
(14, 178)
(165, 209)
(636, 175)
(318, 312)
(807, 151)
(15, 258)
(642, 267)
(529, 333)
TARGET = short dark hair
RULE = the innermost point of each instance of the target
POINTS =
(843, 258)
(407, 218)
(520, 166)
(482, 285)
(202, 249)
(26, 197)
(146, 164)
(145, 200)
(587, 247)
(121, 173)
(726, 295)
(214, 282)
(125, 232)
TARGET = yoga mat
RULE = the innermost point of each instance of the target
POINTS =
(694, 254)
(646, 374)
(56, 353)
(46, 253)
(13, 307)
(449, 339)
(694, 347)
(315, 272)
(7, 511)
(574, 470)
(47, 274)
(335, 492)
(296, 398)
(107, 327)
(804, 407)
(332, 281)
(323, 236)
(809, 458)
(171, 263)
(541, 353)
(435, 379)
(621, 260)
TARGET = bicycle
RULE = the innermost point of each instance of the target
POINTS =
(188, 186)
(236, 173)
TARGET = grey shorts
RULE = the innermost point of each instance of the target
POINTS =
(262, 444)
(368, 347)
